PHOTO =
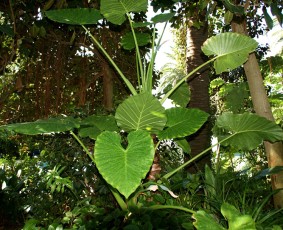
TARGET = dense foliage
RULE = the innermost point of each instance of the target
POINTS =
(126, 169)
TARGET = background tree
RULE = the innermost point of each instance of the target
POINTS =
(55, 69)
(192, 21)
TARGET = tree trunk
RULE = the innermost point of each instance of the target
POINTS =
(274, 151)
(107, 86)
(199, 87)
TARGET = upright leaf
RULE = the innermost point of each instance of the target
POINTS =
(231, 50)
(75, 16)
(124, 168)
(182, 122)
(115, 10)
(246, 131)
(142, 111)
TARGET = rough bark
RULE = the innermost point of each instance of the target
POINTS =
(274, 151)
(107, 87)
(199, 87)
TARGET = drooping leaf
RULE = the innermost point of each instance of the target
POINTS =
(181, 95)
(205, 221)
(184, 144)
(55, 125)
(268, 171)
(91, 132)
(182, 122)
(231, 49)
(142, 111)
(236, 220)
(246, 130)
(114, 10)
(128, 41)
(124, 168)
(101, 122)
(75, 16)
(228, 16)
(93, 125)
(268, 19)
(162, 17)
(233, 8)
(7, 29)
(210, 181)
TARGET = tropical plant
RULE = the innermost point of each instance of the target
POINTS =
(124, 148)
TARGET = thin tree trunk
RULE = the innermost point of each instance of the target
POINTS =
(107, 86)
(274, 151)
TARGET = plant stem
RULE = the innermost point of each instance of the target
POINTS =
(83, 146)
(127, 82)
(157, 207)
(138, 55)
(119, 199)
(117, 196)
(185, 78)
(168, 175)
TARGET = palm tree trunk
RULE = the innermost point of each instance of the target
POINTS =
(199, 87)
(274, 151)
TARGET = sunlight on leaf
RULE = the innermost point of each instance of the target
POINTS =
(142, 111)
(114, 11)
(182, 122)
(205, 221)
(247, 130)
(124, 168)
(232, 50)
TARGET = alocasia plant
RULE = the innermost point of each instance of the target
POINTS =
(142, 114)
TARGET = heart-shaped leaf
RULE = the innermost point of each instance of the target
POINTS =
(75, 16)
(55, 125)
(231, 49)
(246, 131)
(182, 122)
(114, 10)
(124, 168)
(142, 111)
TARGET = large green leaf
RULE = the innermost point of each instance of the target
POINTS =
(204, 221)
(75, 16)
(124, 168)
(231, 49)
(246, 130)
(115, 10)
(182, 122)
(142, 111)
(93, 125)
(55, 125)
(236, 220)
